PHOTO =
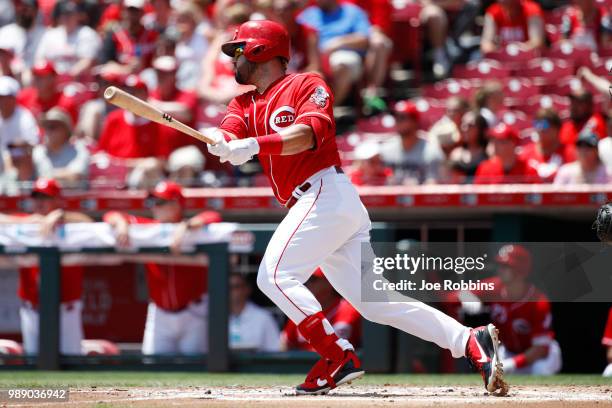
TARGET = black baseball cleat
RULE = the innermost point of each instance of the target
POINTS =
(481, 352)
(327, 375)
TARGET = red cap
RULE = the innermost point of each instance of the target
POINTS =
(167, 190)
(407, 108)
(134, 81)
(504, 132)
(515, 256)
(48, 187)
(44, 68)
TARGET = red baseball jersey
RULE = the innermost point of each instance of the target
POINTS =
(513, 29)
(30, 99)
(292, 99)
(129, 140)
(29, 282)
(173, 287)
(570, 129)
(492, 171)
(547, 165)
(607, 337)
(342, 316)
(521, 324)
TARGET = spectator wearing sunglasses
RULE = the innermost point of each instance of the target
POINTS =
(588, 168)
(547, 154)
(177, 316)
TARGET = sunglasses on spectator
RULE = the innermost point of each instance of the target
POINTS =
(541, 124)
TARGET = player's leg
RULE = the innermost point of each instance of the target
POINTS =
(318, 224)
(194, 327)
(29, 329)
(71, 325)
(160, 332)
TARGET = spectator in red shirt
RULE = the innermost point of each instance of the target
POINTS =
(48, 213)
(345, 320)
(505, 166)
(586, 24)
(512, 21)
(582, 117)
(607, 342)
(548, 153)
(177, 314)
(521, 313)
(128, 47)
(46, 92)
(368, 169)
(181, 105)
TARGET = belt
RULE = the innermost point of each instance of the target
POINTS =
(304, 188)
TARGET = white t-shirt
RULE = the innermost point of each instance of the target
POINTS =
(73, 157)
(67, 49)
(24, 43)
(605, 152)
(20, 126)
(571, 173)
(254, 329)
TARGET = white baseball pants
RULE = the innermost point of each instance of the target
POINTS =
(326, 228)
(71, 328)
(185, 332)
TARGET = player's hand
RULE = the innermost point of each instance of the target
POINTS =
(122, 235)
(177, 239)
(220, 148)
(50, 222)
(241, 151)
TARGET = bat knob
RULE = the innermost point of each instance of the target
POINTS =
(109, 93)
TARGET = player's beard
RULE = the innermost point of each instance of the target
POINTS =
(244, 73)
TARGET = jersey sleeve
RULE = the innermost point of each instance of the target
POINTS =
(234, 122)
(542, 323)
(607, 337)
(314, 107)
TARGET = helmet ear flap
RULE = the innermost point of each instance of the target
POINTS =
(258, 49)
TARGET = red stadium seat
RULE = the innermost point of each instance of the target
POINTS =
(449, 87)
(567, 51)
(545, 70)
(517, 119)
(376, 124)
(407, 32)
(485, 69)
(209, 114)
(431, 110)
(556, 102)
(512, 56)
(517, 90)
(564, 86)
(106, 174)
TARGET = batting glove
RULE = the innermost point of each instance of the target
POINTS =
(220, 147)
(241, 151)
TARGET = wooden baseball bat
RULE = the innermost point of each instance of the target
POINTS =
(124, 100)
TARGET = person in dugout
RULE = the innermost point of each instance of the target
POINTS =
(521, 313)
(177, 316)
(47, 212)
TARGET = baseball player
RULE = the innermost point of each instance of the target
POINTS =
(48, 213)
(288, 122)
(177, 316)
(522, 314)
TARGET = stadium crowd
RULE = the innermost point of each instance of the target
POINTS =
(508, 91)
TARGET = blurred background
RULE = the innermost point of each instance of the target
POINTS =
(460, 120)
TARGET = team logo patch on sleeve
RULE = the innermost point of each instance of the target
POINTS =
(319, 97)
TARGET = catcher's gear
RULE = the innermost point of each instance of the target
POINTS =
(603, 223)
(261, 41)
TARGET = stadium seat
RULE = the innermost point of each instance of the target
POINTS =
(517, 90)
(431, 110)
(209, 114)
(556, 102)
(545, 70)
(484, 69)
(517, 119)
(383, 123)
(512, 56)
(407, 31)
(106, 174)
(564, 86)
(450, 87)
(567, 51)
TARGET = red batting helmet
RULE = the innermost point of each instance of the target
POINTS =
(46, 187)
(515, 256)
(168, 190)
(262, 41)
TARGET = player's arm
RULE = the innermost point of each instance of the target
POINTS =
(535, 28)
(120, 223)
(528, 357)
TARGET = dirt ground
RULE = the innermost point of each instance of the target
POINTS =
(353, 396)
